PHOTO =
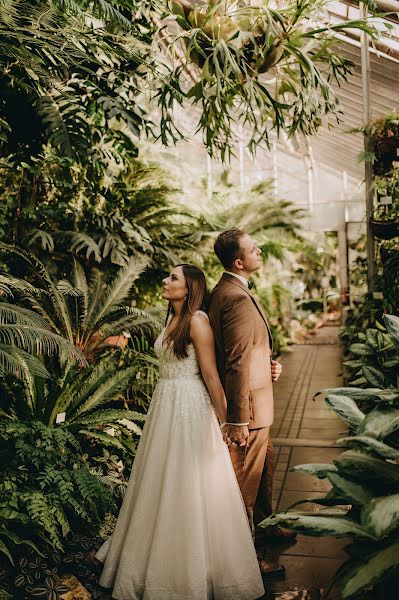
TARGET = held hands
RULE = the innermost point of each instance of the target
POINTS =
(236, 435)
(276, 369)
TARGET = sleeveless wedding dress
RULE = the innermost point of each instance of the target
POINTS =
(182, 532)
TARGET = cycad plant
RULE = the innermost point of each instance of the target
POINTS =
(85, 313)
(363, 502)
(274, 223)
(24, 335)
(84, 310)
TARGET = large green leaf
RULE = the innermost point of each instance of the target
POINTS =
(347, 409)
(374, 377)
(318, 525)
(380, 422)
(362, 350)
(361, 467)
(381, 515)
(371, 445)
(390, 395)
(108, 415)
(392, 325)
(320, 470)
(355, 493)
(372, 570)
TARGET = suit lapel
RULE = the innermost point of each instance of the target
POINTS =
(231, 279)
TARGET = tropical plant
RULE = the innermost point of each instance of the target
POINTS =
(52, 573)
(90, 315)
(363, 503)
(374, 361)
(383, 136)
(262, 65)
(83, 401)
(84, 311)
(53, 51)
(46, 487)
(24, 334)
(136, 212)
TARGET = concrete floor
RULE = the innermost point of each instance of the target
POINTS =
(310, 562)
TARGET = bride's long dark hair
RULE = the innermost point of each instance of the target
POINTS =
(179, 338)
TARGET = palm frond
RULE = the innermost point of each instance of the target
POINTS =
(37, 340)
(8, 284)
(134, 320)
(82, 386)
(116, 292)
(18, 315)
(44, 238)
(105, 391)
(80, 243)
(104, 438)
(19, 364)
(108, 415)
(47, 287)
(67, 289)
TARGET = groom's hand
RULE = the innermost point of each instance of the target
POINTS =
(236, 435)
(276, 369)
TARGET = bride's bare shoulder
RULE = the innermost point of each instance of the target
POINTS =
(199, 325)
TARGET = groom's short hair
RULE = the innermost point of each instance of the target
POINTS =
(227, 246)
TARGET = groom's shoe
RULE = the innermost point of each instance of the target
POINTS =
(270, 569)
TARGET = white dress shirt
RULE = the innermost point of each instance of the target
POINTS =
(243, 279)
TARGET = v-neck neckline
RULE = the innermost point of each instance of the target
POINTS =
(164, 331)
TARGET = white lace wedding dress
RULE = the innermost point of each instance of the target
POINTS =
(182, 532)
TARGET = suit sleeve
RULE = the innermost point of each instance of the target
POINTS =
(238, 333)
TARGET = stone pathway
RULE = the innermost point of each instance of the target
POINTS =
(310, 562)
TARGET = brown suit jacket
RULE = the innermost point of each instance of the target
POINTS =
(243, 351)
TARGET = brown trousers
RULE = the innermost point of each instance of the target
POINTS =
(254, 468)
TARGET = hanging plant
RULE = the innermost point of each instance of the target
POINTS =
(385, 219)
(384, 142)
(260, 66)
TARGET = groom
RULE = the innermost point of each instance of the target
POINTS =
(243, 350)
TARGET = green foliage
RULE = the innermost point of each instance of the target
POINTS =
(85, 310)
(366, 478)
(93, 315)
(52, 573)
(232, 47)
(24, 333)
(46, 486)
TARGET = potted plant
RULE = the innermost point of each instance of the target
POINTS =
(384, 138)
(385, 219)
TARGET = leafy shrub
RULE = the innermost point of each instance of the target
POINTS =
(46, 487)
(365, 477)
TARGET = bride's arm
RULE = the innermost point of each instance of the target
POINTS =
(204, 344)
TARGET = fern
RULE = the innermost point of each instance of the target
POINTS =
(47, 487)
(42, 513)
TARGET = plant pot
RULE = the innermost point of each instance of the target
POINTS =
(385, 230)
(385, 149)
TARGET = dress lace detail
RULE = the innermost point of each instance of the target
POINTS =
(182, 532)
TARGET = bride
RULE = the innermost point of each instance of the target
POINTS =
(182, 532)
